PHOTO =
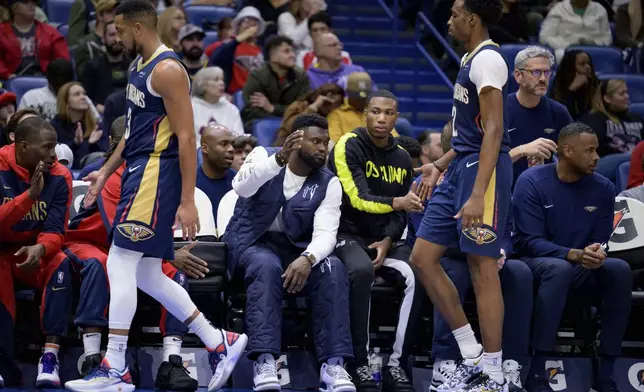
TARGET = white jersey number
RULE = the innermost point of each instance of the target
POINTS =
(128, 119)
(454, 131)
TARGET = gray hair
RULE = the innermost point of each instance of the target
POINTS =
(202, 77)
(532, 52)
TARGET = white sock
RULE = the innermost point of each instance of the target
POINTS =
(92, 343)
(467, 343)
(115, 355)
(210, 336)
(335, 361)
(121, 271)
(52, 348)
(171, 346)
(493, 366)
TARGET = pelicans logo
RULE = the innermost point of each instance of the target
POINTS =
(135, 232)
(480, 235)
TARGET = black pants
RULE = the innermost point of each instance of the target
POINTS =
(353, 251)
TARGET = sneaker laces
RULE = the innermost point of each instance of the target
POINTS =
(267, 369)
(481, 381)
(338, 372)
(398, 375)
(447, 368)
(49, 363)
(364, 373)
(99, 371)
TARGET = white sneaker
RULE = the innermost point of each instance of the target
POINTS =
(103, 379)
(1, 382)
(265, 374)
(334, 378)
(441, 373)
(466, 371)
(224, 357)
(512, 375)
(48, 372)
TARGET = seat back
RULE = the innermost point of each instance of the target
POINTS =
(404, 127)
(238, 97)
(622, 176)
(637, 108)
(206, 217)
(605, 59)
(198, 14)
(225, 210)
(22, 84)
(58, 10)
(265, 130)
(635, 84)
(79, 189)
(213, 253)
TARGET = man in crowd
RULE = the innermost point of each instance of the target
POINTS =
(214, 176)
(36, 195)
(7, 109)
(430, 143)
(532, 116)
(91, 45)
(330, 67)
(376, 175)
(270, 89)
(243, 145)
(563, 220)
(191, 41)
(281, 238)
(319, 23)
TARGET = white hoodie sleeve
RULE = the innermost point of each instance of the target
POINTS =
(603, 36)
(549, 34)
(288, 27)
(257, 170)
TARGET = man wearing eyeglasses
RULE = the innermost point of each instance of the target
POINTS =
(534, 119)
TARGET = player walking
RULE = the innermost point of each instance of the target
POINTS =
(159, 151)
(469, 208)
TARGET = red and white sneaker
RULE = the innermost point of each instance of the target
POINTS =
(103, 378)
(224, 358)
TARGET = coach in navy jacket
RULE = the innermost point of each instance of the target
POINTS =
(281, 238)
(563, 215)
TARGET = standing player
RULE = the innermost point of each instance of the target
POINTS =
(159, 152)
(469, 208)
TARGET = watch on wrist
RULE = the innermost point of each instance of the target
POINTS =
(309, 256)
(280, 160)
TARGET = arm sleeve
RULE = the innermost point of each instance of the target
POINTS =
(77, 22)
(53, 233)
(257, 169)
(326, 222)
(13, 211)
(604, 226)
(59, 46)
(530, 223)
(489, 69)
(396, 226)
(548, 34)
(287, 26)
(604, 35)
(349, 164)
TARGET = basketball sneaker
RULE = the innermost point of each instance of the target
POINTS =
(466, 372)
(441, 373)
(48, 372)
(173, 376)
(104, 379)
(483, 383)
(334, 378)
(512, 375)
(224, 358)
(265, 374)
(90, 362)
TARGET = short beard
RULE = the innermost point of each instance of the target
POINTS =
(311, 162)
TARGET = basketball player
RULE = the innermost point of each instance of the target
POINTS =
(470, 207)
(159, 152)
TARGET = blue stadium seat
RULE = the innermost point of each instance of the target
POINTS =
(404, 127)
(210, 38)
(622, 176)
(199, 157)
(605, 59)
(58, 10)
(635, 84)
(63, 29)
(265, 130)
(198, 14)
(637, 108)
(21, 85)
(238, 97)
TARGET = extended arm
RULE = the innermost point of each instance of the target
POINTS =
(257, 169)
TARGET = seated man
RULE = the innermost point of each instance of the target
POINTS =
(281, 238)
(516, 286)
(36, 194)
(563, 219)
(376, 174)
(86, 244)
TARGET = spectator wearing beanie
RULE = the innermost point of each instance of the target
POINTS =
(7, 109)
(27, 46)
(64, 155)
(192, 53)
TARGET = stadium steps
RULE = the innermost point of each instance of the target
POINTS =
(366, 32)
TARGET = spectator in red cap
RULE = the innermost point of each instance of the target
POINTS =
(7, 109)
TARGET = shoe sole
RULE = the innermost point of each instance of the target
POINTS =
(230, 366)
(268, 386)
(45, 384)
(120, 387)
(343, 388)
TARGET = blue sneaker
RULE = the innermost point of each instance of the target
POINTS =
(224, 358)
(48, 372)
(103, 378)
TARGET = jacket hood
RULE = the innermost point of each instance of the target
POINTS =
(8, 156)
(363, 135)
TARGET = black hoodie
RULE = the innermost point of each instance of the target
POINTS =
(371, 177)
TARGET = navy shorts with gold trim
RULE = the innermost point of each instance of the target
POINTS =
(150, 196)
(439, 226)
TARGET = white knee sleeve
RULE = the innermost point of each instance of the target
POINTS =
(169, 293)
(121, 272)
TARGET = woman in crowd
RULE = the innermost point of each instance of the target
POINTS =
(209, 103)
(576, 83)
(76, 126)
(617, 129)
(322, 101)
(294, 22)
(168, 26)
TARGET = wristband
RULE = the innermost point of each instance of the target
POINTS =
(280, 161)
(521, 149)
(440, 170)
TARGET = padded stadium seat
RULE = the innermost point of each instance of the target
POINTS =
(404, 127)
(622, 176)
(22, 84)
(225, 211)
(635, 84)
(510, 52)
(79, 189)
(605, 59)
(215, 254)
(199, 157)
(198, 14)
(210, 38)
(206, 218)
(58, 10)
(238, 97)
(63, 29)
(265, 130)
(637, 108)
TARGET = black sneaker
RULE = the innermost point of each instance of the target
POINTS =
(91, 362)
(363, 379)
(394, 379)
(172, 376)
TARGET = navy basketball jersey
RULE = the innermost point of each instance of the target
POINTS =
(467, 128)
(147, 129)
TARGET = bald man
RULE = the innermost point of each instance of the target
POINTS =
(214, 176)
(329, 67)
